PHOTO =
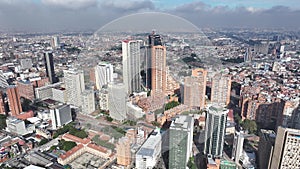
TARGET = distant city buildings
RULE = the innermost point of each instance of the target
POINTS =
(181, 141)
(131, 56)
(215, 126)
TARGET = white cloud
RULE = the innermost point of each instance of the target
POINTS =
(71, 4)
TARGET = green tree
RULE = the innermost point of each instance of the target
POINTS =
(43, 141)
(171, 104)
(66, 145)
(191, 163)
(249, 125)
(108, 118)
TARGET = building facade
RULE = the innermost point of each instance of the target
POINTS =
(103, 74)
(14, 101)
(220, 89)
(74, 83)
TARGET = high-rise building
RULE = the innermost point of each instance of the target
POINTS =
(88, 102)
(194, 89)
(237, 149)
(14, 101)
(26, 63)
(180, 141)
(220, 89)
(215, 125)
(60, 115)
(55, 43)
(265, 147)
(103, 74)
(131, 59)
(123, 151)
(156, 66)
(150, 151)
(74, 83)
(117, 101)
(49, 64)
(25, 89)
(286, 152)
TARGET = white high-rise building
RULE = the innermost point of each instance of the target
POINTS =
(103, 74)
(237, 149)
(74, 83)
(117, 101)
(88, 102)
(215, 126)
(60, 115)
(131, 65)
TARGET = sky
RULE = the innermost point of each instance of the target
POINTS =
(79, 15)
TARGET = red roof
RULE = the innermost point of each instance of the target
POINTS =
(98, 148)
(76, 139)
(70, 152)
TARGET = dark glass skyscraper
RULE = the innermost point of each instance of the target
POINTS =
(49, 64)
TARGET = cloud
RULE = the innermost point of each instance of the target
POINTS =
(121, 5)
(71, 4)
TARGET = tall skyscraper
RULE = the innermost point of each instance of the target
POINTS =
(215, 125)
(131, 65)
(117, 101)
(286, 152)
(238, 143)
(194, 89)
(49, 64)
(103, 74)
(156, 77)
(181, 141)
(265, 147)
(74, 83)
(14, 101)
(220, 89)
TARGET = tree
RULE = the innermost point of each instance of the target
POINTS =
(171, 104)
(2, 121)
(66, 145)
(249, 125)
(43, 141)
(108, 118)
(191, 163)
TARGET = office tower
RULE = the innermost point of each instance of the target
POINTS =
(103, 74)
(220, 89)
(14, 101)
(123, 151)
(194, 89)
(74, 83)
(26, 63)
(156, 66)
(238, 143)
(215, 125)
(265, 147)
(49, 64)
(60, 115)
(25, 89)
(149, 152)
(88, 102)
(131, 59)
(55, 43)
(180, 142)
(117, 101)
(286, 152)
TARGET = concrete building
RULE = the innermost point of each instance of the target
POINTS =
(26, 63)
(49, 64)
(55, 43)
(103, 74)
(59, 94)
(46, 92)
(237, 149)
(19, 127)
(180, 141)
(133, 111)
(103, 99)
(123, 151)
(88, 102)
(117, 101)
(150, 151)
(220, 89)
(25, 89)
(74, 83)
(131, 59)
(194, 89)
(14, 101)
(286, 152)
(265, 147)
(60, 115)
(215, 126)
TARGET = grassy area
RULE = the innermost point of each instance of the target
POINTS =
(114, 131)
(103, 143)
(72, 130)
